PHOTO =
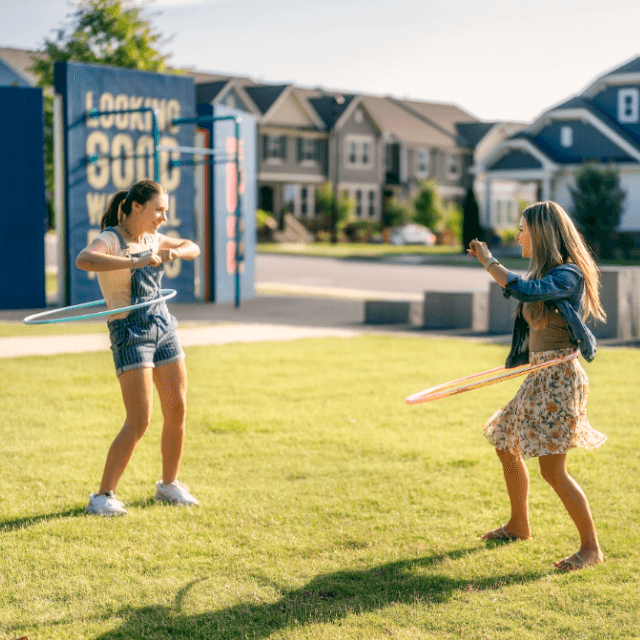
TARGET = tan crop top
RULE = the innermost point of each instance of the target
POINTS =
(554, 335)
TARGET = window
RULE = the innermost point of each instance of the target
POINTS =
(510, 217)
(358, 152)
(566, 136)
(308, 150)
(359, 203)
(304, 202)
(423, 162)
(230, 101)
(353, 150)
(628, 105)
(389, 157)
(453, 168)
(372, 204)
(274, 147)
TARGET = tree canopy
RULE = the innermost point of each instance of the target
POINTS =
(112, 32)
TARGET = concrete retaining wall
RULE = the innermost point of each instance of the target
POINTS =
(490, 312)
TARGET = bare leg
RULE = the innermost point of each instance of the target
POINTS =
(516, 476)
(554, 470)
(137, 393)
(171, 382)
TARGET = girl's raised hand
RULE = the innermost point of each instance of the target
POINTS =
(479, 250)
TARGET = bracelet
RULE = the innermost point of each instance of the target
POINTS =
(489, 262)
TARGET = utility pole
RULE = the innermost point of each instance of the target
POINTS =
(339, 101)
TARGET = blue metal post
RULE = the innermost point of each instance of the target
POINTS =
(238, 216)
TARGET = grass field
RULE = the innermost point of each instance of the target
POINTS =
(330, 509)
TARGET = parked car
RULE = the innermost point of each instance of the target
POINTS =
(412, 233)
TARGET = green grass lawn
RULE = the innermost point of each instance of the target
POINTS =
(351, 249)
(330, 509)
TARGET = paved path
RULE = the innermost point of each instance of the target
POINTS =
(189, 337)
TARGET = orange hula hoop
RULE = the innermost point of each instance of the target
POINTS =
(471, 382)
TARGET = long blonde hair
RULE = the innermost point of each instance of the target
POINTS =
(555, 241)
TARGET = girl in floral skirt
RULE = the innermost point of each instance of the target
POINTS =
(548, 414)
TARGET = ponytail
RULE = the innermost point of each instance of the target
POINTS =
(141, 192)
(110, 216)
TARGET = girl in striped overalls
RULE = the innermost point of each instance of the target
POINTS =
(127, 256)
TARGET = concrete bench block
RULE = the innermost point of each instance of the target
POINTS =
(620, 298)
(502, 311)
(456, 310)
(393, 312)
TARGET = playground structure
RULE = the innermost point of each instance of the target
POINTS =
(113, 127)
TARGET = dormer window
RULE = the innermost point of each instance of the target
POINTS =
(628, 105)
(566, 136)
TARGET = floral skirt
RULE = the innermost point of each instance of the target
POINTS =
(548, 414)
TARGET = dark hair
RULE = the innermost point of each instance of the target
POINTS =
(141, 192)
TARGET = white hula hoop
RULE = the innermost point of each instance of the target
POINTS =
(448, 389)
(43, 318)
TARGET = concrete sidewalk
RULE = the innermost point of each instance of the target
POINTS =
(189, 337)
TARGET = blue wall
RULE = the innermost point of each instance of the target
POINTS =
(23, 212)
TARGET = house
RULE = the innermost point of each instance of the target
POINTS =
(15, 67)
(371, 148)
(601, 125)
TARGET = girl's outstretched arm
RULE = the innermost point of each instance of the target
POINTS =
(495, 269)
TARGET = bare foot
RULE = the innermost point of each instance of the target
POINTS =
(503, 533)
(580, 560)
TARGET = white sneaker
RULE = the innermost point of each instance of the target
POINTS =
(105, 504)
(175, 493)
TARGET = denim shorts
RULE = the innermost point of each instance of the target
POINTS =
(140, 342)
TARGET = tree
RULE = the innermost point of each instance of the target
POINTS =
(598, 205)
(470, 218)
(110, 32)
(428, 205)
(345, 206)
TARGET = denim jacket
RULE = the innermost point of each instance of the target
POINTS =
(563, 287)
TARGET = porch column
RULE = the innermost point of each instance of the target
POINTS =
(487, 203)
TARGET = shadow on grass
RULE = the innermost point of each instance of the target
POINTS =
(29, 521)
(326, 599)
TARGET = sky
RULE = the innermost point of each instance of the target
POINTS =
(496, 59)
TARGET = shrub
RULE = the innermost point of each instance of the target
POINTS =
(397, 212)
(362, 230)
(453, 221)
(470, 218)
(428, 205)
(598, 205)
